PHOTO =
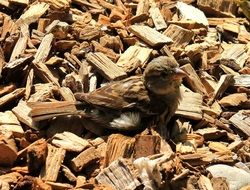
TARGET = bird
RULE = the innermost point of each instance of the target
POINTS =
(129, 104)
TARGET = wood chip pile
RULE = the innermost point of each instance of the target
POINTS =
(51, 49)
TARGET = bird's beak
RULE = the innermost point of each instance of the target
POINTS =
(179, 74)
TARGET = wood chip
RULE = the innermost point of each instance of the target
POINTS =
(105, 66)
(118, 146)
(241, 120)
(53, 163)
(118, 175)
(190, 106)
(233, 99)
(149, 35)
(180, 36)
(84, 159)
(70, 142)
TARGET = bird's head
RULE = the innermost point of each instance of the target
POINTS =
(163, 76)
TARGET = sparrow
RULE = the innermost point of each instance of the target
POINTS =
(128, 104)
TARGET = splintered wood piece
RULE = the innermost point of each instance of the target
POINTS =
(42, 24)
(65, 45)
(21, 111)
(36, 155)
(118, 146)
(68, 174)
(70, 142)
(209, 82)
(58, 29)
(228, 70)
(73, 59)
(8, 27)
(134, 57)
(92, 82)
(41, 110)
(34, 12)
(12, 96)
(74, 82)
(84, 74)
(224, 82)
(89, 33)
(8, 150)
(54, 61)
(188, 12)
(142, 8)
(180, 36)
(241, 120)
(242, 81)
(44, 73)
(7, 89)
(112, 42)
(44, 49)
(5, 3)
(205, 183)
(10, 123)
(29, 84)
(190, 106)
(193, 79)
(107, 51)
(211, 133)
(85, 158)
(218, 147)
(220, 8)
(116, 15)
(42, 92)
(105, 66)
(157, 17)
(233, 99)
(234, 56)
(185, 147)
(207, 157)
(118, 176)
(150, 35)
(231, 27)
(146, 145)
(21, 62)
(21, 43)
(219, 21)
(53, 163)
(67, 94)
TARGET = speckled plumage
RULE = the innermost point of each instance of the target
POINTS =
(124, 104)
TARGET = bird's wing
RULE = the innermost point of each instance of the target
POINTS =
(128, 93)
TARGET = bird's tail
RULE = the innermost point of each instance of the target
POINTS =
(47, 110)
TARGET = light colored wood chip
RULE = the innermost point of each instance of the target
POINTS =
(150, 35)
(188, 12)
(241, 120)
(180, 36)
(85, 158)
(190, 106)
(233, 99)
(118, 175)
(70, 142)
(105, 66)
(53, 163)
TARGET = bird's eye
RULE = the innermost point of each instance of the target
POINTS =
(164, 75)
